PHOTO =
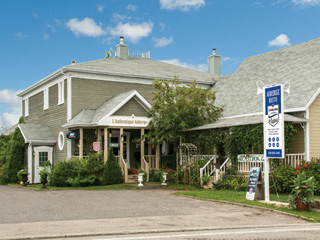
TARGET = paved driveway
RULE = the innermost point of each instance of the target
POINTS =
(69, 212)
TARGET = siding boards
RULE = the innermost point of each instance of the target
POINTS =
(90, 94)
(314, 129)
(54, 117)
(132, 107)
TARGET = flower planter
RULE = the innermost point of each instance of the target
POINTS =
(24, 178)
(301, 206)
(44, 180)
(164, 177)
(140, 179)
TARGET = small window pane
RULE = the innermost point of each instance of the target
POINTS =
(43, 157)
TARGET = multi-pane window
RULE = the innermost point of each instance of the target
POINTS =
(26, 107)
(43, 157)
(45, 98)
(61, 92)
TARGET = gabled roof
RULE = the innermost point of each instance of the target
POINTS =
(94, 117)
(37, 133)
(298, 64)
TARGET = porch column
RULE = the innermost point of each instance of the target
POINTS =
(121, 145)
(142, 147)
(81, 143)
(157, 156)
(106, 147)
(99, 139)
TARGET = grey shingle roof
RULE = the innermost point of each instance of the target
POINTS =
(298, 64)
(37, 133)
(90, 117)
(143, 67)
(248, 120)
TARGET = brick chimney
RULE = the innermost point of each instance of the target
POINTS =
(215, 63)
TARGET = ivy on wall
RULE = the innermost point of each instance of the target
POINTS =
(236, 140)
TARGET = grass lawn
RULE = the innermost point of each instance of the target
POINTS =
(107, 187)
(240, 197)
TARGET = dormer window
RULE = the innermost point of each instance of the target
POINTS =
(45, 98)
(61, 92)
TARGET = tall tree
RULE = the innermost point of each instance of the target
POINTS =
(178, 107)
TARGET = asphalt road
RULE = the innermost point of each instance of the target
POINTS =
(67, 213)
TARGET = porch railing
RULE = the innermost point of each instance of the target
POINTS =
(247, 161)
(222, 170)
(188, 160)
(294, 159)
(145, 167)
(151, 159)
(124, 168)
(209, 168)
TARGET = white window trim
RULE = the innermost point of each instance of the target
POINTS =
(61, 92)
(45, 98)
(61, 141)
(26, 107)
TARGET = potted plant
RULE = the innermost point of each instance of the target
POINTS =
(164, 174)
(44, 173)
(302, 194)
(23, 176)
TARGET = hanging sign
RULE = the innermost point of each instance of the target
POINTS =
(273, 121)
(96, 146)
(72, 135)
(255, 184)
(114, 145)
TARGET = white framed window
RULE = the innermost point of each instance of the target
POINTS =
(61, 92)
(26, 107)
(61, 141)
(45, 98)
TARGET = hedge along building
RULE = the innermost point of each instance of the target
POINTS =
(104, 101)
(299, 66)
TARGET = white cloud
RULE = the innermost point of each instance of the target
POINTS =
(100, 8)
(200, 67)
(52, 28)
(225, 59)
(9, 99)
(162, 26)
(20, 35)
(131, 7)
(183, 5)
(306, 2)
(86, 27)
(116, 17)
(58, 22)
(132, 31)
(45, 36)
(280, 41)
(162, 42)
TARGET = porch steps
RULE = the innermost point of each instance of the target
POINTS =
(209, 185)
(132, 178)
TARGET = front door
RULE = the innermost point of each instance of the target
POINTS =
(42, 154)
(115, 144)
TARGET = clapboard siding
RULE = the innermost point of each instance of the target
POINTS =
(90, 94)
(132, 107)
(314, 129)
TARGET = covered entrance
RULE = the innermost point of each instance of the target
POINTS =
(120, 124)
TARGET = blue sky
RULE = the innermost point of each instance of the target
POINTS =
(39, 37)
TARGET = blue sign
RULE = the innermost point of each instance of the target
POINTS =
(273, 121)
(72, 135)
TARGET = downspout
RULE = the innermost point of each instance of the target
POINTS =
(30, 163)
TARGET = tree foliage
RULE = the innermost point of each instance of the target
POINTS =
(112, 172)
(178, 107)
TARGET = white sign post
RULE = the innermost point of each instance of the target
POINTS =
(273, 124)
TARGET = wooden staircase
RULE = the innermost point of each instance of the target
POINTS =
(132, 178)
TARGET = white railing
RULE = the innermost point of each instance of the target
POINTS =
(209, 168)
(222, 170)
(151, 159)
(247, 161)
(192, 158)
(124, 168)
(294, 159)
(145, 167)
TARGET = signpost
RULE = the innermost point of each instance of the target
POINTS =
(273, 124)
(255, 188)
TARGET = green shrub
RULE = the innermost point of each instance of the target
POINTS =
(78, 172)
(112, 171)
(313, 169)
(155, 176)
(231, 182)
(281, 178)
